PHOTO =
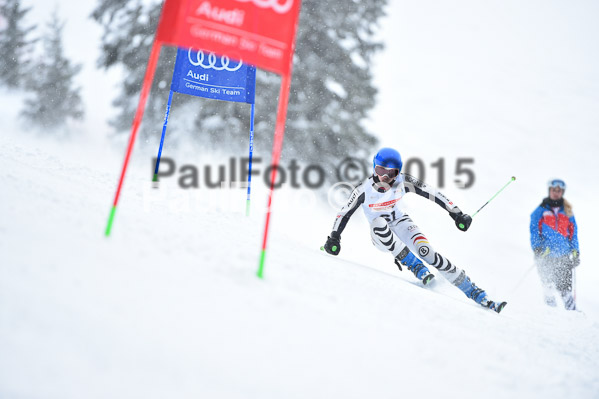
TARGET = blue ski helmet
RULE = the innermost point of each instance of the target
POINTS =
(387, 157)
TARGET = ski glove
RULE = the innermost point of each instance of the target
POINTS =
(574, 258)
(541, 252)
(333, 245)
(462, 220)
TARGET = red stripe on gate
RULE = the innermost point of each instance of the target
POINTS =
(141, 106)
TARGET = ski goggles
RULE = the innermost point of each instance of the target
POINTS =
(382, 171)
(557, 183)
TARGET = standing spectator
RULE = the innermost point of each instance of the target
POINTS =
(554, 240)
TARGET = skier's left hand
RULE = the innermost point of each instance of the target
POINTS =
(462, 220)
(574, 258)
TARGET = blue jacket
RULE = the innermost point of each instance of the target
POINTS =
(558, 232)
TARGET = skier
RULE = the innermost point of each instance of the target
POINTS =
(392, 230)
(554, 241)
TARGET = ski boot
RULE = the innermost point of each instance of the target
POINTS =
(569, 301)
(479, 295)
(497, 307)
(550, 301)
(421, 272)
(415, 266)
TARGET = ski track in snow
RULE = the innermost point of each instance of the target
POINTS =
(170, 306)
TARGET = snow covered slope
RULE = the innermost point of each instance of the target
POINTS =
(170, 306)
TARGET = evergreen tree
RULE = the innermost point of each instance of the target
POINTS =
(54, 99)
(14, 43)
(129, 27)
(331, 91)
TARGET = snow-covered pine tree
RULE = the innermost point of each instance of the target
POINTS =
(53, 99)
(129, 27)
(331, 92)
(14, 43)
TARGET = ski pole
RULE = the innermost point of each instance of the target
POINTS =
(522, 278)
(574, 284)
(496, 194)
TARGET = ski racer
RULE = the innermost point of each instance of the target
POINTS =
(394, 231)
(554, 241)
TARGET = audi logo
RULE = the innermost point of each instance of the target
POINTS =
(210, 62)
(274, 4)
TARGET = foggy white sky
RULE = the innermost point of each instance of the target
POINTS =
(457, 65)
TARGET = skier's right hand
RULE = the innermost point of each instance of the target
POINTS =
(541, 252)
(333, 245)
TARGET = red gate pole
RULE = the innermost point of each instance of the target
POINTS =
(277, 147)
(145, 91)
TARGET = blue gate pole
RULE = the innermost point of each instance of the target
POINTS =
(247, 204)
(168, 110)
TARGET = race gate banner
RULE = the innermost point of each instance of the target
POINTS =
(205, 74)
(261, 32)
